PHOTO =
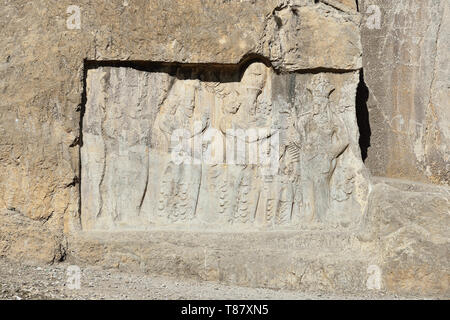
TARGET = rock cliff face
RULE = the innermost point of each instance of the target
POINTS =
(93, 93)
(407, 75)
(229, 149)
(43, 72)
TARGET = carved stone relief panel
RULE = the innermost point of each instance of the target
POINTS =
(222, 148)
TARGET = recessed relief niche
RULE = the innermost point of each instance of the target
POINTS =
(220, 148)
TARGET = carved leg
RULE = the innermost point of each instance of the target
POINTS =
(321, 197)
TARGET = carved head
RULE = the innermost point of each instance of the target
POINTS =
(320, 86)
(232, 101)
(254, 76)
(320, 89)
(188, 98)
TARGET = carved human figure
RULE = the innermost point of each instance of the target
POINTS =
(278, 194)
(240, 112)
(240, 103)
(178, 113)
(252, 84)
(231, 103)
(246, 197)
(323, 138)
(180, 182)
(244, 109)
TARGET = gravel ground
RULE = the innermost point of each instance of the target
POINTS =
(50, 282)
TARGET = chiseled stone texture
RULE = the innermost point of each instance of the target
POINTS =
(220, 149)
(406, 70)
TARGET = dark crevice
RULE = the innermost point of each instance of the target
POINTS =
(74, 182)
(82, 106)
(75, 142)
(321, 70)
(192, 70)
(82, 110)
(184, 70)
(45, 219)
(175, 69)
(362, 116)
(63, 255)
(250, 58)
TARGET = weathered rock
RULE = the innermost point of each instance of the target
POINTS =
(410, 225)
(26, 240)
(331, 261)
(329, 38)
(407, 73)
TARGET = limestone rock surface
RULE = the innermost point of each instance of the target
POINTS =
(406, 71)
(28, 241)
(410, 224)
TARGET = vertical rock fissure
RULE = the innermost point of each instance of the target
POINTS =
(82, 110)
(362, 116)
